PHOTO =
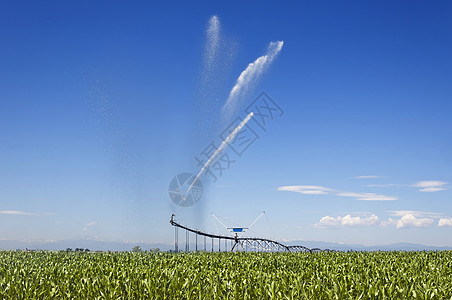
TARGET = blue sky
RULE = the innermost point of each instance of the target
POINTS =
(102, 103)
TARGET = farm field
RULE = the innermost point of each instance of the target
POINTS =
(351, 275)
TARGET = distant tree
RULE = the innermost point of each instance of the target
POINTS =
(68, 249)
(136, 249)
(154, 250)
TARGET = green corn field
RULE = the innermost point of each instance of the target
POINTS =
(339, 275)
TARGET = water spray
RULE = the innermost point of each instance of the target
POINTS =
(249, 77)
(220, 149)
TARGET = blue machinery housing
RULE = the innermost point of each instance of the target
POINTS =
(236, 229)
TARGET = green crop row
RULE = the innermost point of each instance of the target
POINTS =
(352, 275)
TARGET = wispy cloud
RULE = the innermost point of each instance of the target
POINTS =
(443, 222)
(416, 213)
(305, 189)
(321, 190)
(90, 224)
(249, 76)
(16, 212)
(347, 221)
(381, 185)
(367, 196)
(22, 213)
(367, 177)
(431, 185)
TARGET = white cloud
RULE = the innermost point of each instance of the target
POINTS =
(23, 213)
(319, 190)
(367, 196)
(388, 222)
(16, 212)
(417, 214)
(431, 185)
(445, 222)
(305, 189)
(90, 224)
(366, 177)
(410, 220)
(347, 221)
(327, 222)
(432, 189)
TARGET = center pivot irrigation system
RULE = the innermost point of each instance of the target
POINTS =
(237, 243)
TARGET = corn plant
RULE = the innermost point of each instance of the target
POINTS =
(339, 275)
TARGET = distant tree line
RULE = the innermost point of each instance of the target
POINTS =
(138, 249)
(77, 250)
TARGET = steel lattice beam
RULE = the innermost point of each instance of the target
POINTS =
(245, 242)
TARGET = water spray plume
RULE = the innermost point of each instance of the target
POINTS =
(213, 40)
(250, 76)
(220, 149)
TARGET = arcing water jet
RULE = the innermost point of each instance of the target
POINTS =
(220, 149)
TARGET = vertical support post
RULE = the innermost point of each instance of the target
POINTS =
(212, 244)
(196, 242)
(187, 241)
(226, 245)
(176, 238)
(219, 245)
(204, 243)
